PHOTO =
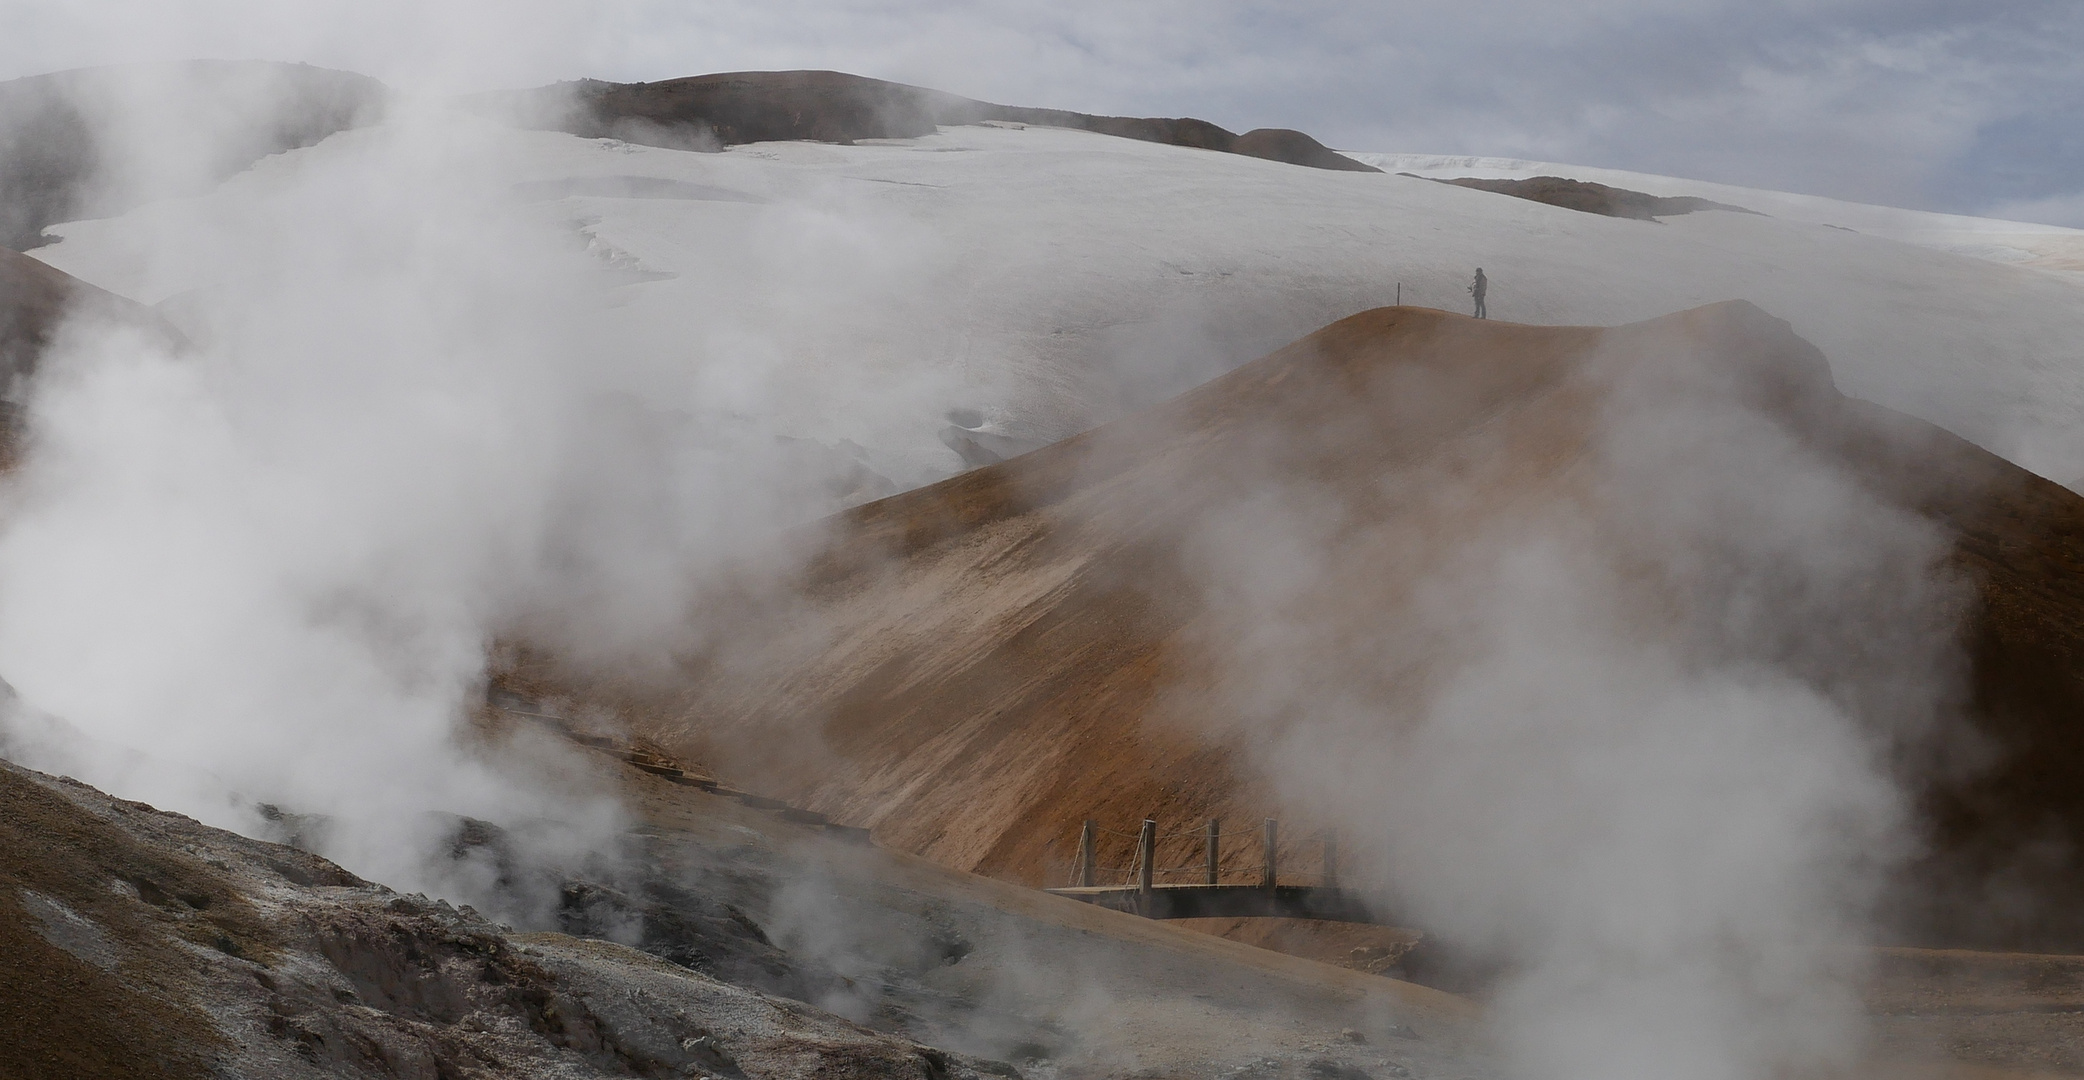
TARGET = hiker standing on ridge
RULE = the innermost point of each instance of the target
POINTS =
(1476, 289)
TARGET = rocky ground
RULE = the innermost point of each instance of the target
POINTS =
(718, 942)
(721, 941)
(1593, 198)
(1987, 1013)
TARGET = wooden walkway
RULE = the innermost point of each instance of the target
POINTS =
(1142, 894)
(1228, 901)
(1212, 898)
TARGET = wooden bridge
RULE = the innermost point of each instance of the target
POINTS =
(1211, 897)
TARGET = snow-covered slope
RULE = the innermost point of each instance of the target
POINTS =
(2048, 247)
(1023, 284)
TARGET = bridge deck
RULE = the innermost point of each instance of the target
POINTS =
(1228, 901)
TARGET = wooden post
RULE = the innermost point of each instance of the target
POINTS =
(1146, 855)
(1331, 860)
(1273, 840)
(1215, 845)
(1085, 854)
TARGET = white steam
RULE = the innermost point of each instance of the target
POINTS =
(1586, 719)
(273, 564)
(1620, 721)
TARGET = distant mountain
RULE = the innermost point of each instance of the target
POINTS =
(148, 946)
(97, 141)
(714, 111)
(2017, 243)
(1594, 198)
(35, 301)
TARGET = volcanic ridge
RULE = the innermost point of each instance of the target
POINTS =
(1023, 646)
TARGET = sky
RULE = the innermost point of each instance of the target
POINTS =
(1931, 104)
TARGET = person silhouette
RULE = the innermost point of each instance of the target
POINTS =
(1476, 289)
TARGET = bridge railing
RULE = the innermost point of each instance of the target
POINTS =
(1141, 866)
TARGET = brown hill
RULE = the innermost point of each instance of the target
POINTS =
(975, 666)
(713, 111)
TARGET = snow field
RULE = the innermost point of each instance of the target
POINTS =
(1047, 280)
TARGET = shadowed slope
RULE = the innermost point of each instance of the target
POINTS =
(990, 659)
